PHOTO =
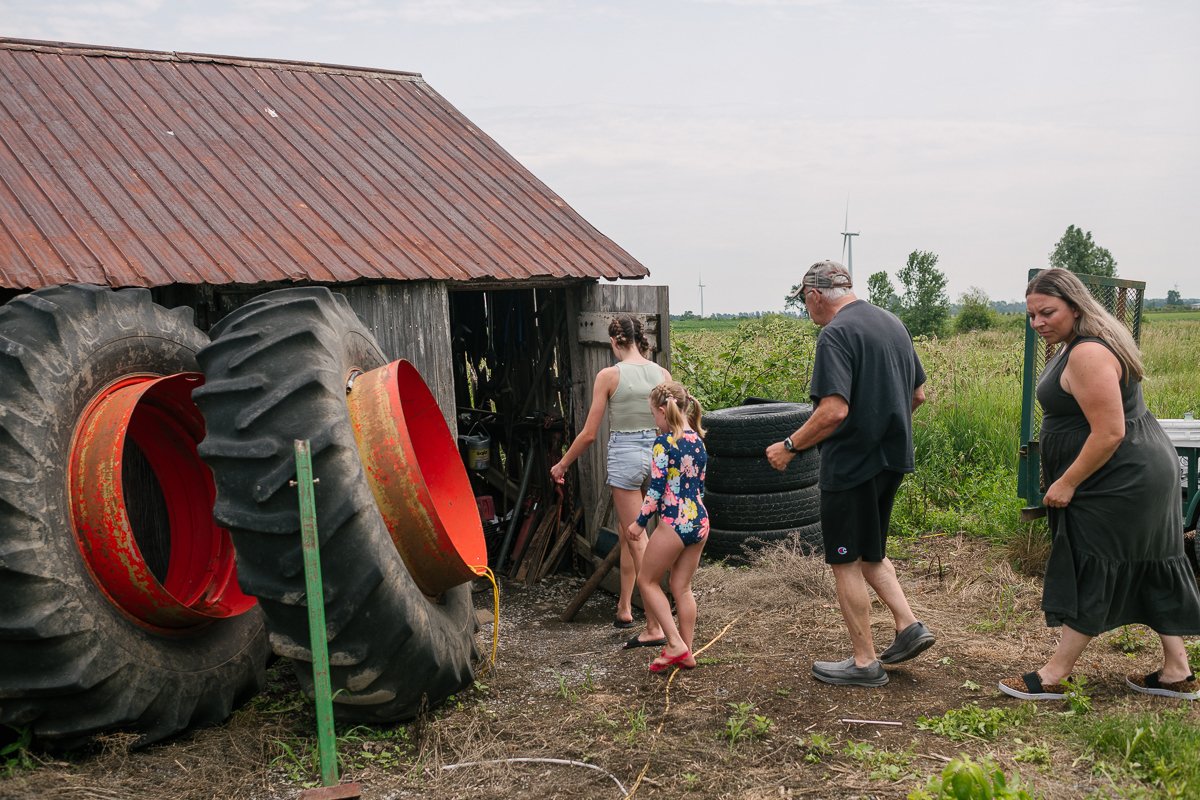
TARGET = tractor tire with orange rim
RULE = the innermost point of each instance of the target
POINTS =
(299, 364)
(119, 602)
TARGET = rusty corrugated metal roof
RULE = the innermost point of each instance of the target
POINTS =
(140, 168)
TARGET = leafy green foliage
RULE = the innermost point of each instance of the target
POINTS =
(973, 722)
(817, 747)
(881, 764)
(964, 779)
(880, 292)
(1079, 699)
(766, 357)
(1155, 749)
(744, 725)
(975, 312)
(924, 306)
(14, 756)
(1077, 252)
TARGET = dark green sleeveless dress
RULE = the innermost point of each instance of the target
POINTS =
(1117, 557)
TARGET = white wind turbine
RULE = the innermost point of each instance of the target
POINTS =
(848, 242)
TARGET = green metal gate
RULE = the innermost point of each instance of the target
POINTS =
(1122, 299)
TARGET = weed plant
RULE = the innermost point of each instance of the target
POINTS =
(964, 779)
(1158, 750)
(974, 722)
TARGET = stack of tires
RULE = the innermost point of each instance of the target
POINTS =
(749, 502)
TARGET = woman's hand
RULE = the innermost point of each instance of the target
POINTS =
(1058, 495)
(558, 472)
(634, 532)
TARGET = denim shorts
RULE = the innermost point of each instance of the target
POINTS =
(629, 458)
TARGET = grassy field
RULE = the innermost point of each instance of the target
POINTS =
(966, 435)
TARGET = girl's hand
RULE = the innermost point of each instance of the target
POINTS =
(557, 472)
(634, 532)
(1059, 495)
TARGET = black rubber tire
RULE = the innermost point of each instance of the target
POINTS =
(275, 372)
(738, 544)
(746, 474)
(71, 663)
(794, 508)
(749, 430)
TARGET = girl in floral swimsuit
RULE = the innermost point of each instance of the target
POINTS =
(676, 494)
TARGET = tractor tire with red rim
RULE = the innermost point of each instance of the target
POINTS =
(119, 604)
(280, 369)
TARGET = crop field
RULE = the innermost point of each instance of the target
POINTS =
(566, 713)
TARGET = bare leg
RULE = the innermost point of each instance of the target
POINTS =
(1070, 645)
(681, 589)
(856, 609)
(661, 554)
(1175, 660)
(882, 578)
(628, 504)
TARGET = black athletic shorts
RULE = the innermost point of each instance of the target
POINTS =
(854, 522)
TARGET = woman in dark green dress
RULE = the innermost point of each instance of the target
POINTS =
(1112, 495)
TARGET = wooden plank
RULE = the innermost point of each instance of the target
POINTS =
(593, 327)
(537, 544)
(565, 536)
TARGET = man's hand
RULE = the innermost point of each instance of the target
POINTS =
(779, 456)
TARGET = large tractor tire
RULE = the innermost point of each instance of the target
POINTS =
(749, 430)
(279, 369)
(794, 508)
(738, 545)
(119, 606)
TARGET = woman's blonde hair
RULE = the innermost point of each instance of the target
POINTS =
(681, 409)
(1093, 320)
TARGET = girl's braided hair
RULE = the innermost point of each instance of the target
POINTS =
(628, 329)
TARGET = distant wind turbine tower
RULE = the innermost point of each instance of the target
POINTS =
(848, 242)
(700, 284)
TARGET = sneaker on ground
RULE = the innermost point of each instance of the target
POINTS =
(847, 673)
(910, 643)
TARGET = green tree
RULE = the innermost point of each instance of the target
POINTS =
(881, 293)
(975, 312)
(1173, 297)
(1077, 252)
(924, 306)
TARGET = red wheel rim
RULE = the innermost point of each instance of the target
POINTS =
(155, 415)
(417, 476)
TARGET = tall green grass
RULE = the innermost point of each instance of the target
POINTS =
(966, 435)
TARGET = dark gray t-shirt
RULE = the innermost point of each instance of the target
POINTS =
(866, 355)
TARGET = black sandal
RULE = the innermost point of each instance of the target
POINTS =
(1029, 687)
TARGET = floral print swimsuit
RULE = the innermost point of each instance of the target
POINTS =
(676, 491)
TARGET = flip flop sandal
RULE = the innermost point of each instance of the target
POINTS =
(623, 624)
(636, 642)
(1187, 689)
(1029, 687)
(672, 661)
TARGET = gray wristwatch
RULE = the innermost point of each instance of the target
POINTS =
(787, 444)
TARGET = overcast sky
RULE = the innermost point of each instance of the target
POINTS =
(723, 138)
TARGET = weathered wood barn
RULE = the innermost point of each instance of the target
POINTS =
(212, 179)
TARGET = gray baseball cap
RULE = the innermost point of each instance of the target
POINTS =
(824, 275)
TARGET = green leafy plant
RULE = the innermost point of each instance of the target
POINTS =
(973, 722)
(564, 688)
(1193, 653)
(744, 724)
(881, 764)
(964, 779)
(1079, 700)
(1128, 639)
(14, 756)
(817, 747)
(1032, 754)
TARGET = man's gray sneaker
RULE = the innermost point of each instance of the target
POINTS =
(910, 643)
(846, 673)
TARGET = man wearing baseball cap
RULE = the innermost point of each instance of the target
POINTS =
(866, 383)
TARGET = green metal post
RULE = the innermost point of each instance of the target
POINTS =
(326, 742)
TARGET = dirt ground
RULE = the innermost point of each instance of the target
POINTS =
(600, 725)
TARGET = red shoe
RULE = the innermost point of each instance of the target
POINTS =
(672, 661)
